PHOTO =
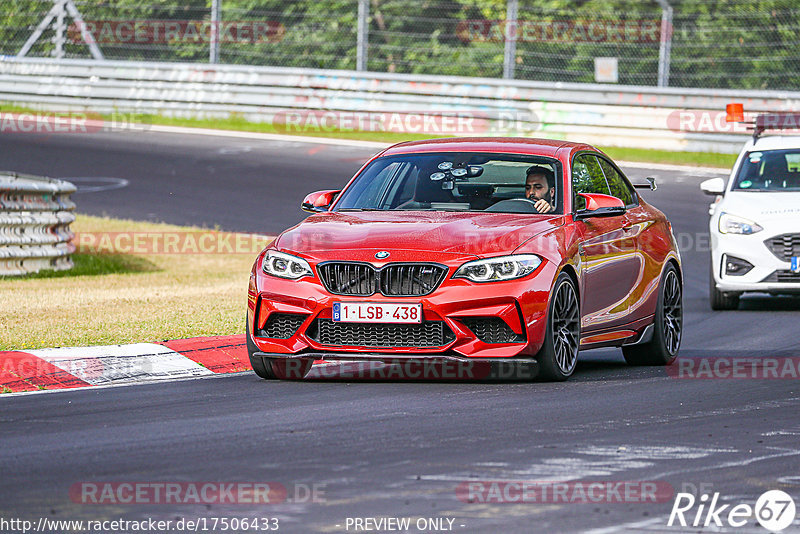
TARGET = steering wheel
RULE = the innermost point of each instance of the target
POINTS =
(514, 205)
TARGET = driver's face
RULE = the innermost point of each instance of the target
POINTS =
(536, 187)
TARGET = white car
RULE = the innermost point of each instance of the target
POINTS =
(755, 224)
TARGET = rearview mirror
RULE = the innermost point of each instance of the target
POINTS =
(598, 205)
(714, 186)
(319, 201)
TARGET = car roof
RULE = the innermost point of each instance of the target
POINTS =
(772, 142)
(508, 145)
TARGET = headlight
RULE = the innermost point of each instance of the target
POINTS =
(731, 224)
(286, 266)
(499, 269)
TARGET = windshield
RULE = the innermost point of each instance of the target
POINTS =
(450, 181)
(769, 170)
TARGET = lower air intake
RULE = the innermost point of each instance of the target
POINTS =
(492, 330)
(281, 325)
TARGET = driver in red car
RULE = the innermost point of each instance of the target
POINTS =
(540, 188)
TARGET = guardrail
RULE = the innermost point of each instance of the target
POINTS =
(612, 115)
(35, 214)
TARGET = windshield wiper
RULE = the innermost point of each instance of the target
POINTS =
(360, 209)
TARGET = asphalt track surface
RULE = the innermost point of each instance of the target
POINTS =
(394, 449)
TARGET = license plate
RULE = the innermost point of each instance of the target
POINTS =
(796, 264)
(376, 312)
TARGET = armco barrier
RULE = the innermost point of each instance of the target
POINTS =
(611, 115)
(35, 214)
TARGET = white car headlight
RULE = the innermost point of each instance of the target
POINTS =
(286, 266)
(499, 269)
(731, 224)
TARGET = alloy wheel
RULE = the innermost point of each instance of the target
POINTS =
(672, 319)
(566, 327)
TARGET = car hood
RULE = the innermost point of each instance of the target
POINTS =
(407, 234)
(763, 207)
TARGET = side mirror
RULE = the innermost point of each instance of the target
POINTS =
(714, 186)
(598, 205)
(319, 201)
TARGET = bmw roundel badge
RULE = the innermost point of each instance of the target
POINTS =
(382, 255)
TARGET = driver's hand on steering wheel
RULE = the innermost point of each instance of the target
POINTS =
(543, 206)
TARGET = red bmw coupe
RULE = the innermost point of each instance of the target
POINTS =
(470, 250)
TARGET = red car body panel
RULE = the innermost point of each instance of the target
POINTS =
(460, 233)
(616, 262)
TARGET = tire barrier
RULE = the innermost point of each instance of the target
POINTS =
(35, 214)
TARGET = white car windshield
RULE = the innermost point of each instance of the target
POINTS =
(769, 170)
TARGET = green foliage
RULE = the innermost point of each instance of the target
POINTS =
(587, 177)
(740, 44)
(96, 265)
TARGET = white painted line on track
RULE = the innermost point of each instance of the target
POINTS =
(786, 453)
(183, 130)
(591, 461)
(212, 376)
(263, 136)
(671, 167)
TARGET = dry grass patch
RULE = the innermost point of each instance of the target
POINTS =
(111, 298)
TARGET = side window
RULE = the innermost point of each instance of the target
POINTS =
(370, 192)
(616, 183)
(587, 177)
(401, 187)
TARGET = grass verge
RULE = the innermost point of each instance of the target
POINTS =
(703, 159)
(239, 123)
(112, 297)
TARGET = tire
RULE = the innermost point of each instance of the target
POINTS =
(558, 356)
(276, 368)
(667, 326)
(719, 300)
(258, 364)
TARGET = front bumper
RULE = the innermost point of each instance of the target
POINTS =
(413, 367)
(390, 357)
(767, 269)
(520, 304)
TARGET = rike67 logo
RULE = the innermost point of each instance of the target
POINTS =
(774, 510)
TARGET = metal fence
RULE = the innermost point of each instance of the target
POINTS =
(313, 101)
(738, 44)
(35, 214)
